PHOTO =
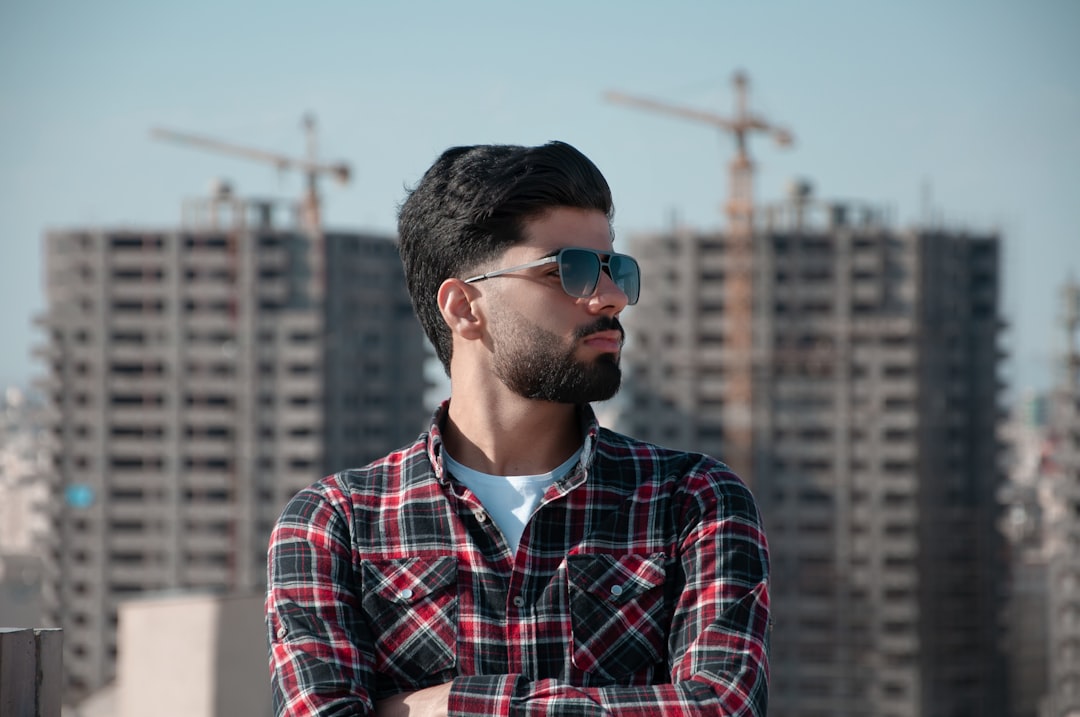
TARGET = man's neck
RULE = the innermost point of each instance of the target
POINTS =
(510, 435)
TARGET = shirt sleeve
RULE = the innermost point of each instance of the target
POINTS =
(318, 664)
(718, 643)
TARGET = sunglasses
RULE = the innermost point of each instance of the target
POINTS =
(579, 271)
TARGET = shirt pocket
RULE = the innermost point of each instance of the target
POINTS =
(618, 612)
(412, 607)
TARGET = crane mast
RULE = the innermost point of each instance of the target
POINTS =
(738, 283)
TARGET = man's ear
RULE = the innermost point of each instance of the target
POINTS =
(459, 310)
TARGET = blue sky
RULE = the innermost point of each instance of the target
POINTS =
(975, 105)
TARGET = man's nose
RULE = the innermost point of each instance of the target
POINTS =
(608, 296)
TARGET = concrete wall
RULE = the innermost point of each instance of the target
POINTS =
(193, 656)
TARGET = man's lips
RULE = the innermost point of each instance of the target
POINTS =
(609, 341)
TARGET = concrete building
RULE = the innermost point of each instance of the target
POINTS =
(20, 590)
(200, 377)
(875, 458)
(24, 464)
(25, 460)
(1025, 622)
(1061, 511)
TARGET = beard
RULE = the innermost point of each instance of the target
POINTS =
(537, 364)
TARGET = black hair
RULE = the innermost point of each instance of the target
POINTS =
(472, 205)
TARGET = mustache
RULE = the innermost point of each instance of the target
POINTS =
(604, 323)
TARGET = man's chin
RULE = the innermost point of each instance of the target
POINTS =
(605, 381)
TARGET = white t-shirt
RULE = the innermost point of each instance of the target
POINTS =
(509, 500)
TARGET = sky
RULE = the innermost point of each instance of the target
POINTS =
(965, 112)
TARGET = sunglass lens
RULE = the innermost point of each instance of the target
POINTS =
(627, 276)
(579, 271)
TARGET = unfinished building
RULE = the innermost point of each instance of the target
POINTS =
(200, 377)
(874, 454)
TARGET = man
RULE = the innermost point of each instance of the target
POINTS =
(519, 559)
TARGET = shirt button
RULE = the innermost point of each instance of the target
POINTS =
(616, 590)
(519, 601)
(481, 516)
(407, 593)
(282, 632)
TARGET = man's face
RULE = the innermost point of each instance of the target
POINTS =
(547, 345)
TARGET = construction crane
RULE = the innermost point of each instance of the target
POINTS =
(740, 205)
(738, 283)
(310, 205)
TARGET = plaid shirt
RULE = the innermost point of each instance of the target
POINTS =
(640, 587)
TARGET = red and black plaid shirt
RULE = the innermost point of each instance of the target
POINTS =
(640, 588)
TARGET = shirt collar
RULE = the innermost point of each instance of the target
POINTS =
(590, 430)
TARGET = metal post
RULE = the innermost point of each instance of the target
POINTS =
(30, 671)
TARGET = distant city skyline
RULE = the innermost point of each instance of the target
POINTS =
(963, 113)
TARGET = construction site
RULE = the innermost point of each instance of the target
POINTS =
(846, 368)
(849, 371)
(188, 371)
